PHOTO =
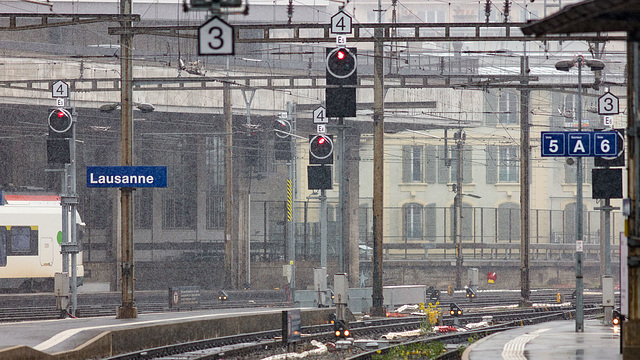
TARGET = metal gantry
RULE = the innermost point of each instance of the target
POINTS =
(364, 33)
(377, 33)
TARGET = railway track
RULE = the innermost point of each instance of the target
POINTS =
(42, 306)
(366, 333)
(15, 314)
(29, 307)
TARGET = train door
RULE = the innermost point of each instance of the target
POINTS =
(46, 251)
(3, 246)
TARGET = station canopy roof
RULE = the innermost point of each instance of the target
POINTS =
(589, 16)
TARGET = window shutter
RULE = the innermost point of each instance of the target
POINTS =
(570, 173)
(467, 165)
(405, 220)
(430, 222)
(406, 164)
(556, 120)
(513, 108)
(430, 161)
(443, 170)
(491, 108)
(492, 164)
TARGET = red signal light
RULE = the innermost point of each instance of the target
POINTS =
(60, 114)
(321, 140)
(341, 55)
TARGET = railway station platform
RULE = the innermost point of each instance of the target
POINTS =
(550, 340)
(99, 337)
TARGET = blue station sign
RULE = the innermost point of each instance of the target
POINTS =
(579, 143)
(126, 176)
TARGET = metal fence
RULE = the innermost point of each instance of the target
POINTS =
(487, 233)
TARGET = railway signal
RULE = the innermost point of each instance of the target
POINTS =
(340, 329)
(60, 124)
(433, 295)
(341, 79)
(282, 139)
(320, 153)
(320, 149)
(470, 293)
(455, 310)
(222, 296)
(618, 318)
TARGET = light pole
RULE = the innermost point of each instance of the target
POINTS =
(565, 65)
(127, 310)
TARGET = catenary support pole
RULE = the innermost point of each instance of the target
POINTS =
(378, 175)
(127, 310)
(579, 279)
(525, 166)
(229, 223)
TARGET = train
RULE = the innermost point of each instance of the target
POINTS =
(30, 238)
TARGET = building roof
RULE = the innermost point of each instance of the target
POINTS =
(588, 17)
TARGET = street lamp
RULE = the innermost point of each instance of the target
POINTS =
(144, 107)
(565, 65)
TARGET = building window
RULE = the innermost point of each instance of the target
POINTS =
(569, 108)
(466, 221)
(365, 224)
(508, 164)
(143, 204)
(570, 235)
(412, 159)
(467, 172)
(448, 165)
(508, 108)
(143, 197)
(570, 171)
(413, 221)
(509, 222)
(179, 202)
(434, 16)
(216, 182)
(215, 212)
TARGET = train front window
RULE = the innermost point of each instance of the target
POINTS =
(22, 240)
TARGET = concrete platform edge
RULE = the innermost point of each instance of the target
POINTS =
(114, 342)
(467, 351)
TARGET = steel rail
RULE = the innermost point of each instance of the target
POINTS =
(240, 345)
